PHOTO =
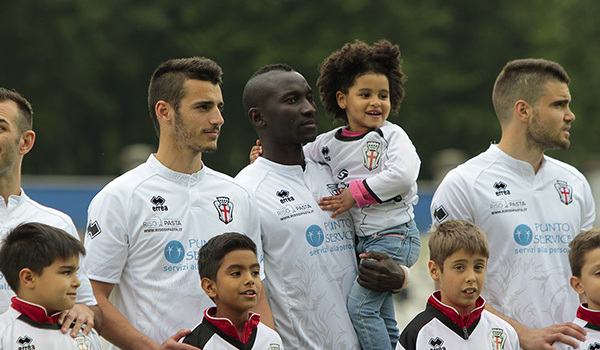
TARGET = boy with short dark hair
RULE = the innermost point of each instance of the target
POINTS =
(230, 276)
(454, 317)
(584, 258)
(40, 263)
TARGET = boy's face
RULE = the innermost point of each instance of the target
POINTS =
(589, 282)
(238, 285)
(461, 280)
(56, 287)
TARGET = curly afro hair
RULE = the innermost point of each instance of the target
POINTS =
(341, 68)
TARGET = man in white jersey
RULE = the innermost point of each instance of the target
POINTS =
(16, 140)
(530, 206)
(146, 226)
(310, 261)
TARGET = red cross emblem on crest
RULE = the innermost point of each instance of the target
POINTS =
(225, 209)
(565, 192)
(371, 154)
(498, 338)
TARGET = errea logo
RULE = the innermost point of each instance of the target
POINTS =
(501, 189)
(158, 203)
(284, 196)
(25, 343)
(325, 152)
(436, 343)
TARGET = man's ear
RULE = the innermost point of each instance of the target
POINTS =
(209, 286)
(27, 278)
(523, 111)
(257, 117)
(164, 111)
(341, 99)
(26, 142)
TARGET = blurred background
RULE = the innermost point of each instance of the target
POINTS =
(85, 67)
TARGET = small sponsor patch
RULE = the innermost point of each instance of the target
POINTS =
(440, 213)
(93, 229)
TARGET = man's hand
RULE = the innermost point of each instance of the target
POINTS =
(173, 342)
(339, 203)
(256, 151)
(81, 315)
(542, 339)
(380, 273)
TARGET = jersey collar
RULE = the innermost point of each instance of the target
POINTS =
(294, 170)
(184, 179)
(35, 312)
(521, 167)
(450, 312)
(228, 327)
(588, 315)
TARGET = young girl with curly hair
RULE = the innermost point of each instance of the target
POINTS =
(376, 166)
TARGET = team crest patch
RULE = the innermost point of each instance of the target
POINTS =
(225, 209)
(93, 229)
(82, 343)
(436, 344)
(498, 338)
(274, 346)
(371, 154)
(565, 192)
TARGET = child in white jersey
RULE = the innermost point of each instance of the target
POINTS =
(376, 165)
(230, 276)
(40, 263)
(455, 316)
(584, 258)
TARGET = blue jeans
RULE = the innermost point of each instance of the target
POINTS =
(372, 313)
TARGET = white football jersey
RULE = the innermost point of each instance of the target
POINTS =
(144, 232)
(589, 320)
(433, 329)
(22, 209)
(529, 220)
(386, 162)
(310, 261)
(18, 332)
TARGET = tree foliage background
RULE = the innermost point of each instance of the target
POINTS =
(85, 66)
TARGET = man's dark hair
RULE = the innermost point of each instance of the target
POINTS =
(167, 82)
(35, 246)
(211, 254)
(340, 70)
(524, 79)
(25, 117)
(253, 91)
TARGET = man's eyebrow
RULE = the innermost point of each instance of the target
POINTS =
(204, 102)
